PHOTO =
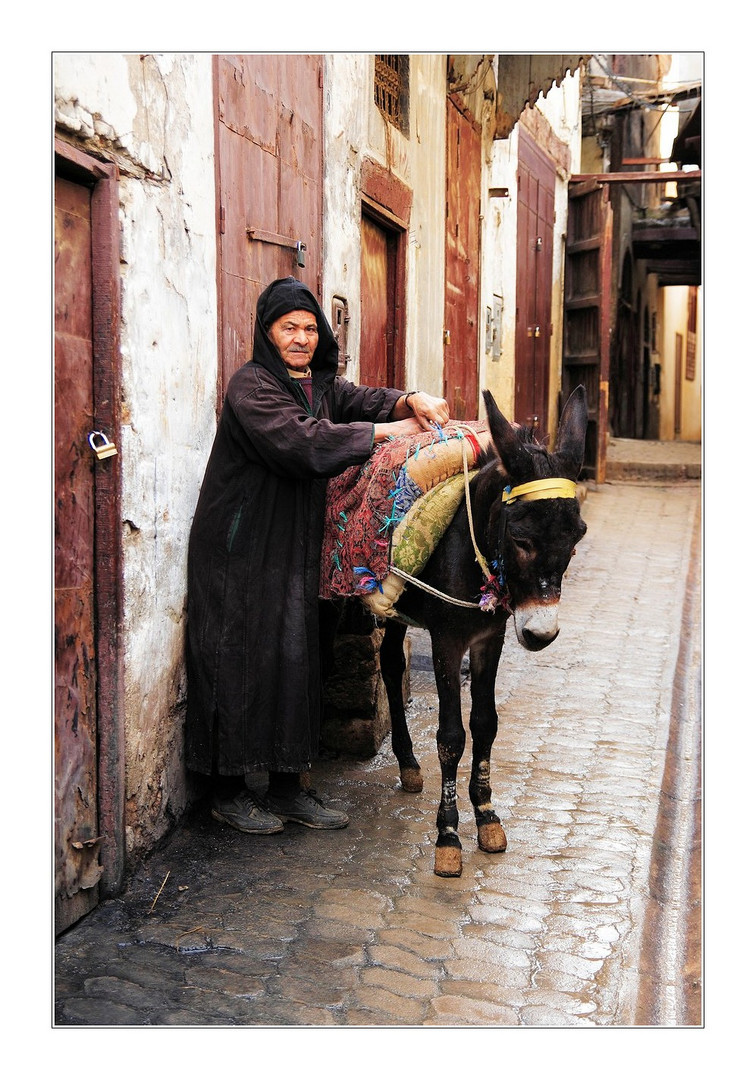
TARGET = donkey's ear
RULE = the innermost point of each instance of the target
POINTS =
(514, 457)
(570, 442)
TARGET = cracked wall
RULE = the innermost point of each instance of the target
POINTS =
(153, 116)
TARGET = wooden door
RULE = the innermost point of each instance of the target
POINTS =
(463, 149)
(379, 365)
(536, 181)
(89, 796)
(269, 127)
(89, 836)
(77, 868)
(587, 283)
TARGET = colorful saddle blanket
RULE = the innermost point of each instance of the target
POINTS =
(393, 509)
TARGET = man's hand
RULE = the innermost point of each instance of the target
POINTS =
(429, 410)
(425, 408)
(396, 428)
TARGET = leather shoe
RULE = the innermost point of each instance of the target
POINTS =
(244, 813)
(305, 809)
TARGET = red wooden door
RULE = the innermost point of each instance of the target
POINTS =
(270, 186)
(379, 364)
(536, 181)
(88, 723)
(77, 869)
(463, 148)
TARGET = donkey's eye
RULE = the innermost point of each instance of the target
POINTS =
(527, 547)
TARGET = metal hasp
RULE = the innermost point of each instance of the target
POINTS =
(298, 246)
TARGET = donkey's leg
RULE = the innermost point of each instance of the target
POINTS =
(450, 740)
(484, 722)
(393, 665)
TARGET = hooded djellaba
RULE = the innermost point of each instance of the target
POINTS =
(254, 550)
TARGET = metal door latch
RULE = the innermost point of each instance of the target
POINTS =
(278, 240)
(101, 445)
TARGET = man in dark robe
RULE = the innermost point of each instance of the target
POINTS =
(288, 423)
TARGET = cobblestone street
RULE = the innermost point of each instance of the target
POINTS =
(576, 925)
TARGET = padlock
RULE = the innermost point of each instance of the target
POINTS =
(104, 449)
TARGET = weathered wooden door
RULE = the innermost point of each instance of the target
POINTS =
(76, 819)
(536, 181)
(587, 283)
(88, 759)
(379, 363)
(269, 120)
(463, 149)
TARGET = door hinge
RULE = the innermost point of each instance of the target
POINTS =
(222, 222)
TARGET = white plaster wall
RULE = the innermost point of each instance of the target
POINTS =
(427, 239)
(354, 129)
(153, 114)
(345, 108)
(499, 266)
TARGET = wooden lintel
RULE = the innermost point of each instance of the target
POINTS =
(636, 177)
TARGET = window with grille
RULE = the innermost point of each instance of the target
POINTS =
(392, 88)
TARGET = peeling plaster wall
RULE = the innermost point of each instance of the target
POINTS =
(344, 121)
(153, 115)
(355, 129)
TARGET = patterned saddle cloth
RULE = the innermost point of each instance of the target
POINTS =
(392, 510)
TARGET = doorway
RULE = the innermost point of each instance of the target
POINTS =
(88, 788)
(380, 360)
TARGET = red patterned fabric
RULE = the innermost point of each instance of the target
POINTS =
(366, 501)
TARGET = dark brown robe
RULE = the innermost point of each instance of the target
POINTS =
(254, 556)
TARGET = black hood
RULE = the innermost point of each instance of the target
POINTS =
(280, 297)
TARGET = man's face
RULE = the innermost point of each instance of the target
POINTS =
(295, 335)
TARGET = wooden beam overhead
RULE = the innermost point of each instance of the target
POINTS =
(636, 177)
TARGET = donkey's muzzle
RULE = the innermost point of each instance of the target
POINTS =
(535, 642)
(536, 625)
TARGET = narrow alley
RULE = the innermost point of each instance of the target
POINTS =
(590, 919)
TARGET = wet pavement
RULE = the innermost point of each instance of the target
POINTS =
(590, 919)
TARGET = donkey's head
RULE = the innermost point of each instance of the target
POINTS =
(535, 527)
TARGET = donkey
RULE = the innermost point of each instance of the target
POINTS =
(524, 523)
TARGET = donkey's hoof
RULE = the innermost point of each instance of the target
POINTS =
(448, 862)
(412, 778)
(492, 837)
